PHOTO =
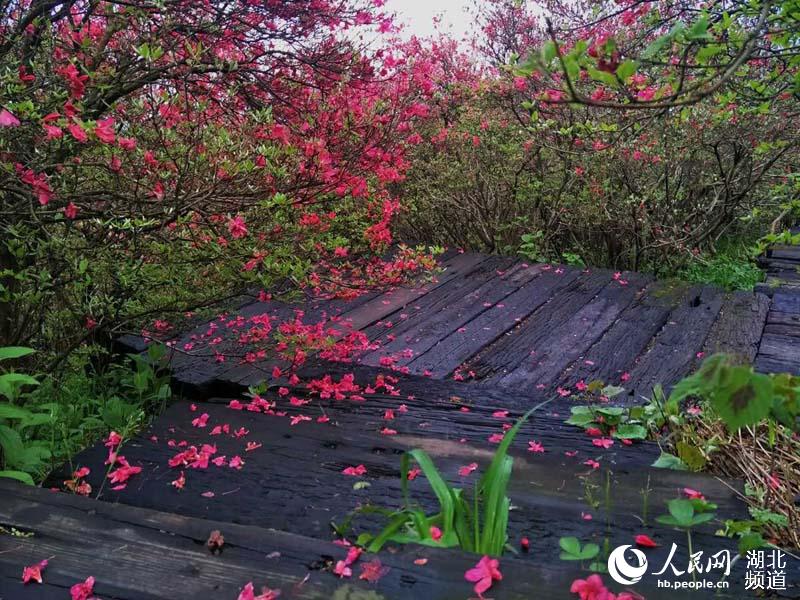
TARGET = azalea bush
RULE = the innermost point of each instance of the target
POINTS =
(530, 154)
(145, 175)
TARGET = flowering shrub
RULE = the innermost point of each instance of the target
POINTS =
(147, 173)
(561, 154)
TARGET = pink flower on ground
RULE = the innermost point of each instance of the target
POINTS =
(34, 572)
(436, 533)
(7, 119)
(248, 593)
(83, 591)
(70, 211)
(355, 471)
(483, 574)
(534, 446)
(592, 588)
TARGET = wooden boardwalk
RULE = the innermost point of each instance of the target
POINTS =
(515, 333)
(501, 322)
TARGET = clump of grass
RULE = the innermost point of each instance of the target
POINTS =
(732, 270)
(475, 523)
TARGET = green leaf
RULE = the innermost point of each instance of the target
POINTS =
(602, 76)
(682, 510)
(626, 69)
(9, 411)
(670, 461)
(751, 541)
(548, 52)
(19, 476)
(628, 431)
(699, 30)
(691, 455)
(745, 398)
(570, 545)
(15, 352)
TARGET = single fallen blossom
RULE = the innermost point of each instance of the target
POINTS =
(436, 533)
(420, 562)
(372, 571)
(84, 590)
(592, 588)
(215, 541)
(534, 446)
(645, 541)
(592, 463)
(180, 482)
(603, 442)
(484, 574)
(525, 544)
(342, 570)
(248, 593)
(467, 469)
(355, 471)
(693, 494)
(413, 474)
(34, 572)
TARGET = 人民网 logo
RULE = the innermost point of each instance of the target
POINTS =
(621, 570)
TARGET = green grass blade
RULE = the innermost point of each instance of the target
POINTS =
(439, 486)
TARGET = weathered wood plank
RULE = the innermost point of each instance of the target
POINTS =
(509, 351)
(739, 326)
(421, 324)
(454, 349)
(139, 554)
(674, 352)
(378, 308)
(615, 352)
(566, 343)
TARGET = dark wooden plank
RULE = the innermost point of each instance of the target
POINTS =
(781, 350)
(454, 349)
(674, 351)
(443, 312)
(138, 554)
(393, 300)
(616, 351)
(739, 326)
(509, 351)
(548, 489)
(783, 323)
(569, 341)
(786, 301)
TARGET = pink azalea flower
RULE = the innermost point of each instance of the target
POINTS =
(7, 119)
(104, 130)
(467, 469)
(77, 132)
(534, 446)
(355, 471)
(436, 533)
(237, 227)
(70, 211)
(34, 572)
(483, 574)
(83, 591)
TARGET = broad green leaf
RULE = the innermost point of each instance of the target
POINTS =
(744, 399)
(670, 461)
(19, 476)
(626, 69)
(682, 510)
(15, 352)
(628, 431)
(691, 455)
